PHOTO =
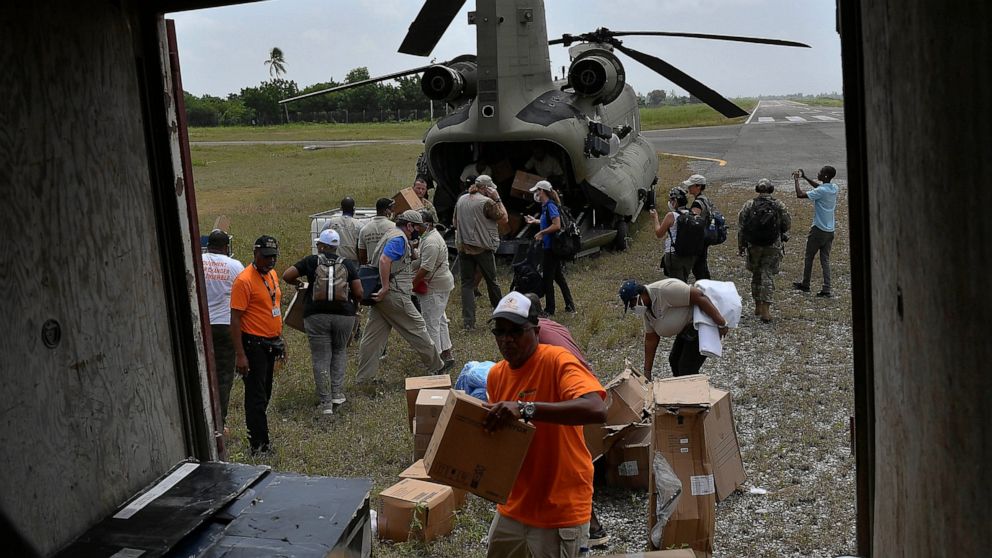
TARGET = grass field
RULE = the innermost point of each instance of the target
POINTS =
(651, 119)
(791, 380)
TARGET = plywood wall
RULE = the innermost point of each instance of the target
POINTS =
(928, 89)
(85, 424)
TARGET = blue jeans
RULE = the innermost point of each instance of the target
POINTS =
(328, 335)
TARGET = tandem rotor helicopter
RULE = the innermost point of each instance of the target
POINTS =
(508, 115)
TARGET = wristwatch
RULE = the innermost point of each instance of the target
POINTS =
(527, 410)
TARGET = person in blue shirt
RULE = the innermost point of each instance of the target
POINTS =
(821, 234)
(393, 309)
(550, 223)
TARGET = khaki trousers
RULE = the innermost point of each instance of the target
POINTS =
(397, 312)
(509, 538)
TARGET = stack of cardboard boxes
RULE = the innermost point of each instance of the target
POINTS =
(458, 457)
(690, 423)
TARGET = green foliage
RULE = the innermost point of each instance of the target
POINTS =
(263, 100)
(686, 115)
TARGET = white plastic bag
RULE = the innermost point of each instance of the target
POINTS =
(668, 488)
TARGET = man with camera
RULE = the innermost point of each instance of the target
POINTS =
(478, 215)
(821, 234)
(762, 226)
(256, 329)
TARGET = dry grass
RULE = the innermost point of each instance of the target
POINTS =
(791, 380)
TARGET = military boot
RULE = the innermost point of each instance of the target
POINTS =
(766, 312)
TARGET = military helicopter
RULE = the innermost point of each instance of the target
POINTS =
(509, 115)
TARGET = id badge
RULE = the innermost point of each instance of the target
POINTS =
(275, 312)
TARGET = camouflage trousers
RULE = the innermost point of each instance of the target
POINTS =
(763, 263)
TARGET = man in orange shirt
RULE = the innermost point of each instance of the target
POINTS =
(256, 329)
(548, 510)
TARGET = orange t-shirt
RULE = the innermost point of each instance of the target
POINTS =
(554, 487)
(256, 299)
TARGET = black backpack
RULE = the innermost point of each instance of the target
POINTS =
(716, 229)
(566, 242)
(526, 266)
(691, 234)
(762, 224)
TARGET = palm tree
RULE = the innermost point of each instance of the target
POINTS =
(276, 62)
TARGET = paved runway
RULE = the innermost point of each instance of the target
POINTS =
(779, 137)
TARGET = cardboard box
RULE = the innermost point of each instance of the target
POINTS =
(462, 455)
(420, 444)
(406, 199)
(293, 317)
(522, 183)
(417, 383)
(627, 396)
(419, 472)
(628, 462)
(600, 438)
(415, 509)
(428, 409)
(694, 431)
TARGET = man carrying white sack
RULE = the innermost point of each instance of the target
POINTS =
(667, 309)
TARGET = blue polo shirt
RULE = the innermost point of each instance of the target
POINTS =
(547, 217)
(824, 199)
(394, 248)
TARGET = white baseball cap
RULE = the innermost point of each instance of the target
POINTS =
(329, 237)
(517, 308)
(541, 185)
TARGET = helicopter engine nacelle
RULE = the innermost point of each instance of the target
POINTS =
(597, 73)
(450, 83)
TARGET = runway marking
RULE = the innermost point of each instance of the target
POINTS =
(765, 119)
(827, 118)
(753, 112)
(720, 162)
(795, 119)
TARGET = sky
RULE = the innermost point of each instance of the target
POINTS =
(222, 50)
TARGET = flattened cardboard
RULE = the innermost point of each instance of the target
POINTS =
(419, 472)
(684, 391)
(462, 455)
(627, 395)
(415, 509)
(522, 183)
(628, 461)
(294, 312)
(406, 199)
(417, 383)
(428, 409)
(722, 445)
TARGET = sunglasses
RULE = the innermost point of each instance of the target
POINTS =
(509, 332)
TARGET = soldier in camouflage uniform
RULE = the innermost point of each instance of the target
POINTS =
(762, 226)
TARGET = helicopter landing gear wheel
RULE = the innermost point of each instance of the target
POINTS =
(620, 243)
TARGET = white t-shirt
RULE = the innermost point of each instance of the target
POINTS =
(219, 272)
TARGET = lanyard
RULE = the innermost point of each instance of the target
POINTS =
(272, 292)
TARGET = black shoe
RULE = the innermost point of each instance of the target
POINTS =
(824, 294)
(800, 287)
(570, 308)
(598, 538)
(264, 450)
(545, 314)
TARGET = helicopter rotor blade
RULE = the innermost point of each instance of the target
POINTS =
(434, 18)
(757, 40)
(369, 81)
(683, 80)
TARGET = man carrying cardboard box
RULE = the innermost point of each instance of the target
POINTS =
(547, 512)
